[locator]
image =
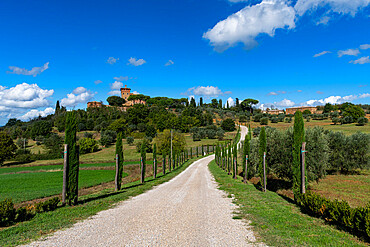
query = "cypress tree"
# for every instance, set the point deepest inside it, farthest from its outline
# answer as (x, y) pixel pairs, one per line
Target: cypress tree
(143, 162)
(57, 108)
(155, 161)
(164, 163)
(119, 151)
(235, 161)
(262, 149)
(229, 160)
(201, 101)
(191, 153)
(246, 151)
(197, 152)
(73, 158)
(298, 138)
(202, 150)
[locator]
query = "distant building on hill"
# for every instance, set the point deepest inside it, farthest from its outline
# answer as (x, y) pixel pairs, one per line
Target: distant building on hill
(125, 94)
(273, 112)
(292, 110)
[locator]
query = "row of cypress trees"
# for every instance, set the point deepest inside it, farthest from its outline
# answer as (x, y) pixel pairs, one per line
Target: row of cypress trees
(226, 156)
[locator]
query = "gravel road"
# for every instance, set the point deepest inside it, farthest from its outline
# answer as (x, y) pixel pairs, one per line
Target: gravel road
(188, 210)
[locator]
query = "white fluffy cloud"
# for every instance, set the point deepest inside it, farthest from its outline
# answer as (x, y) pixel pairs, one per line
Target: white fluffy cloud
(361, 60)
(24, 96)
(336, 99)
(78, 95)
(321, 54)
(230, 101)
(365, 46)
(98, 82)
(169, 62)
(349, 52)
(284, 103)
(277, 93)
(115, 88)
(338, 6)
(22, 71)
(136, 62)
(36, 113)
(245, 25)
(112, 60)
(208, 91)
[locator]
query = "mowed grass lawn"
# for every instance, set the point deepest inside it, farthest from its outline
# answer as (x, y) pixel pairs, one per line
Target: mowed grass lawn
(276, 221)
(355, 189)
(28, 186)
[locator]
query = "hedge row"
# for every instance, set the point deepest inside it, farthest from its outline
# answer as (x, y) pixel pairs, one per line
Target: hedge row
(10, 215)
(356, 220)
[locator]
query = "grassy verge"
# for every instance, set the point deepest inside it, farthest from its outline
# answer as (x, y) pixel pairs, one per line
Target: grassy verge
(278, 222)
(64, 217)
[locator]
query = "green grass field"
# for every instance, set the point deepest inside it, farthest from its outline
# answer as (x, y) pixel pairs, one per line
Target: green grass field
(28, 186)
(278, 222)
(355, 189)
(348, 129)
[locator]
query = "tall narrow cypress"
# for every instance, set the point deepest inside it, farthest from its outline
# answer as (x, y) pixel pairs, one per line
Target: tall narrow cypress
(202, 150)
(73, 158)
(143, 162)
(164, 163)
(197, 152)
(246, 151)
(191, 153)
(119, 151)
(298, 138)
(155, 161)
(229, 160)
(235, 160)
(262, 149)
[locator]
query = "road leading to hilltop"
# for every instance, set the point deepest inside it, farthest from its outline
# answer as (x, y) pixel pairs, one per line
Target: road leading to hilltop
(189, 210)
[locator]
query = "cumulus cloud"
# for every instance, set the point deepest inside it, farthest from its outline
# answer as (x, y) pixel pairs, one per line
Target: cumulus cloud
(245, 25)
(337, 6)
(321, 54)
(78, 95)
(24, 96)
(136, 62)
(284, 103)
(361, 60)
(169, 62)
(365, 46)
(22, 71)
(208, 91)
(115, 88)
(112, 60)
(230, 101)
(98, 82)
(349, 52)
(36, 113)
(335, 99)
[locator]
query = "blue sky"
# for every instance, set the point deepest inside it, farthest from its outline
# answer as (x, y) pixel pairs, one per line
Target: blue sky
(79, 51)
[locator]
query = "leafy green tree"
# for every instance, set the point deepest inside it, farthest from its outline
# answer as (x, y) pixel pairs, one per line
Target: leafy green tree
(150, 131)
(214, 103)
(41, 128)
(262, 149)
(335, 120)
(306, 112)
(130, 140)
(73, 158)
(7, 147)
(143, 162)
(264, 121)
(119, 151)
(115, 101)
(247, 104)
(88, 145)
(53, 144)
(353, 111)
(228, 124)
(361, 121)
(118, 125)
(163, 141)
(298, 138)
(107, 137)
(155, 161)
(328, 108)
